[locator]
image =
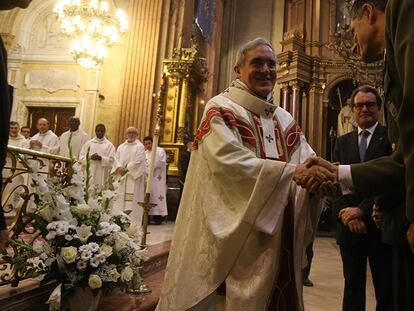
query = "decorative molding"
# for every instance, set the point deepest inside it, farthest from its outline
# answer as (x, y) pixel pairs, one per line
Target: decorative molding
(21, 112)
(52, 80)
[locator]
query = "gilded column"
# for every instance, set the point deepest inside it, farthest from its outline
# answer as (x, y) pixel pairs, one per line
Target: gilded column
(141, 66)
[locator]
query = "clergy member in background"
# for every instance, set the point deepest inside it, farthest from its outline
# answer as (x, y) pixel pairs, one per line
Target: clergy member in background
(77, 139)
(101, 156)
(159, 182)
(45, 140)
(9, 194)
(130, 165)
(25, 131)
(15, 138)
(242, 224)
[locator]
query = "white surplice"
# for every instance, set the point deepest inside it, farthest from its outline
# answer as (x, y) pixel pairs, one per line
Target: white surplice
(13, 198)
(77, 139)
(231, 217)
(131, 190)
(159, 182)
(49, 140)
(99, 170)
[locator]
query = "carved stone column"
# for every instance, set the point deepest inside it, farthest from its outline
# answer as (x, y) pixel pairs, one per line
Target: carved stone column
(140, 66)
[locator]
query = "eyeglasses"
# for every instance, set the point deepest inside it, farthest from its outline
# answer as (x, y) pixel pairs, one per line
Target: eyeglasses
(369, 105)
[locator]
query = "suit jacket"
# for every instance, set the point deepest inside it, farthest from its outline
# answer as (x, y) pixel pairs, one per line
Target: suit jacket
(347, 152)
(397, 170)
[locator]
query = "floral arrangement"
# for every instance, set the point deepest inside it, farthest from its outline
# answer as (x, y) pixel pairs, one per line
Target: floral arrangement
(78, 242)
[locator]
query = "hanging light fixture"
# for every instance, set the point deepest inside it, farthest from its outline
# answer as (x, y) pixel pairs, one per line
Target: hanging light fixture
(92, 26)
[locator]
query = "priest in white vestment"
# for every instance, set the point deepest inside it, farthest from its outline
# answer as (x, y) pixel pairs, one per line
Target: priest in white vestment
(77, 139)
(243, 224)
(17, 140)
(45, 140)
(101, 156)
(130, 163)
(159, 182)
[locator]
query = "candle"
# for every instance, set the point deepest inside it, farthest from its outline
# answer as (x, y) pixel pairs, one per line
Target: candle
(152, 161)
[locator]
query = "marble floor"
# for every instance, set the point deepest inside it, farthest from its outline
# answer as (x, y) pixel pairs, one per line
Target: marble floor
(326, 272)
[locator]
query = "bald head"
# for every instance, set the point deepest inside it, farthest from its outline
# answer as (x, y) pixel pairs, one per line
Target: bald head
(42, 125)
(132, 133)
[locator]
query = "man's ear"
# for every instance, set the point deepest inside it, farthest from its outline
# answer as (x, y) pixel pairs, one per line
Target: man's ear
(237, 71)
(369, 12)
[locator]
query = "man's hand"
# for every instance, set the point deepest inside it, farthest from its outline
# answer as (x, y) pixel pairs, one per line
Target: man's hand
(410, 236)
(3, 239)
(357, 226)
(377, 216)
(96, 157)
(350, 213)
(317, 178)
(120, 170)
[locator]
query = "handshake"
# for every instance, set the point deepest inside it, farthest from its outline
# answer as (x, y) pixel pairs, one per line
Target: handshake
(318, 176)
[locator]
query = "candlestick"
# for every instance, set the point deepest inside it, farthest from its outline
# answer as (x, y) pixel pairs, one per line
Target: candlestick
(152, 162)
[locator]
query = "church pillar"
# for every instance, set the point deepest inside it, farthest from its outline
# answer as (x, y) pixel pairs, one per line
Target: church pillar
(295, 110)
(140, 66)
(315, 116)
(91, 99)
(285, 96)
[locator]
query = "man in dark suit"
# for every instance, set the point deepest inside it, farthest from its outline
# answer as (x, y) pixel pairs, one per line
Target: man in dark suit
(380, 25)
(357, 235)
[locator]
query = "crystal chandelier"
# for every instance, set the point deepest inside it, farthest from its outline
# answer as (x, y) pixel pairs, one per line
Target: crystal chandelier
(92, 26)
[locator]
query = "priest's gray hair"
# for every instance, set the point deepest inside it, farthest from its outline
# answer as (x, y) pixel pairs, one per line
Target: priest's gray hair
(245, 48)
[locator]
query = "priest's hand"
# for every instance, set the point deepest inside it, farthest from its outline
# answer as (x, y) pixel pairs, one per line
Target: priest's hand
(96, 157)
(410, 236)
(357, 226)
(329, 187)
(350, 213)
(120, 170)
(313, 177)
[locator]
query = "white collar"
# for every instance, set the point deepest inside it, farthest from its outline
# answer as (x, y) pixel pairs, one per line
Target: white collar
(371, 129)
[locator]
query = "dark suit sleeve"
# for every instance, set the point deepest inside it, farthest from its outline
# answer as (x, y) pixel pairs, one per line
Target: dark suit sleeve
(400, 34)
(384, 175)
(336, 157)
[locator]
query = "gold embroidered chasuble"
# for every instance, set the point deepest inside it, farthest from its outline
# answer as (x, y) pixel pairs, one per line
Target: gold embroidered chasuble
(229, 224)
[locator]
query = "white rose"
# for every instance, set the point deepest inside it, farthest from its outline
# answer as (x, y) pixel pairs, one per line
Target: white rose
(46, 213)
(132, 230)
(83, 233)
(121, 239)
(94, 281)
(82, 209)
(106, 250)
(69, 254)
(127, 274)
(113, 275)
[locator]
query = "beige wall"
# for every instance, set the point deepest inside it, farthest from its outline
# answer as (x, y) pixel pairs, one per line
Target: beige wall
(243, 21)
